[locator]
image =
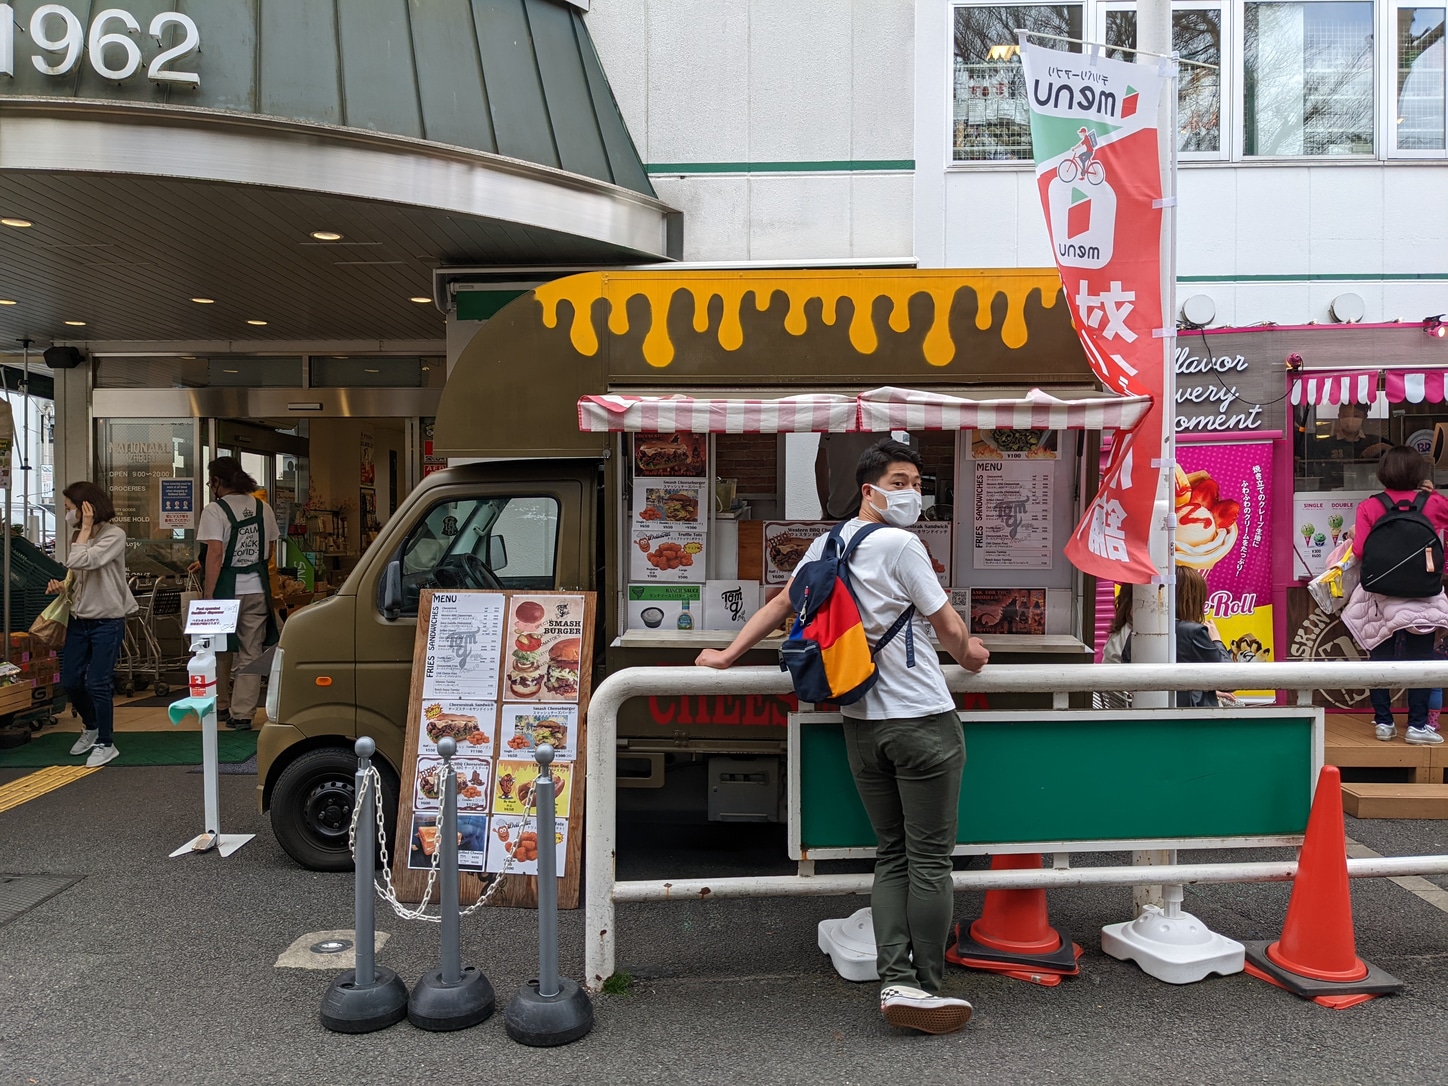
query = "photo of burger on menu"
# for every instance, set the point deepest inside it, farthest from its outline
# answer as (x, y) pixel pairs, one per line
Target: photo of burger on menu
(659, 455)
(544, 648)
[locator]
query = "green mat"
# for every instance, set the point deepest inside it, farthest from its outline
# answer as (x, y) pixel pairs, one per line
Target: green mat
(137, 748)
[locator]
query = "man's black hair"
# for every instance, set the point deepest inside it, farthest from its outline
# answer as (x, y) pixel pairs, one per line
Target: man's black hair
(876, 460)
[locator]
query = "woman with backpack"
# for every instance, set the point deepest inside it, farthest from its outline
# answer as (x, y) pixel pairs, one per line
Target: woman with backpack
(1399, 605)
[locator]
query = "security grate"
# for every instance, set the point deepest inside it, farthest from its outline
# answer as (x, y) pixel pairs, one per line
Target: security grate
(21, 893)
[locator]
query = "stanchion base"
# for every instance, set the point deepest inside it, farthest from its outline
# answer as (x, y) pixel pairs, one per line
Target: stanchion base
(350, 1008)
(543, 1022)
(1177, 949)
(224, 843)
(442, 1007)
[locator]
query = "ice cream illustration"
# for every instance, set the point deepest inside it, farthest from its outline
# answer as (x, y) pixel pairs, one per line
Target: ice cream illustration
(1334, 524)
(1307, 530)
(1319, 540)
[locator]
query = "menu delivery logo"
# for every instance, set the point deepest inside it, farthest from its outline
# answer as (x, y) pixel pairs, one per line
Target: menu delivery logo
(1083, 223)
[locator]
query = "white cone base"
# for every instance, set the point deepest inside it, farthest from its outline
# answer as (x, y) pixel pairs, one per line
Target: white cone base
(850, 943)
(226, 843)
(1177, 949)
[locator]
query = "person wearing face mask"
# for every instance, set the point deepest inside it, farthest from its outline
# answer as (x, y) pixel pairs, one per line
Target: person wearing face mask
(100, 603)
(903, 738)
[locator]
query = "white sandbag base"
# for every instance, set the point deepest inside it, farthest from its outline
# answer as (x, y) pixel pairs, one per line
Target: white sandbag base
(1171, 945)
(850, 943)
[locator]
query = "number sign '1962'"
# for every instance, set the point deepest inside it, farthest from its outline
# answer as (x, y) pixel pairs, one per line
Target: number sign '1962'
(60, 39)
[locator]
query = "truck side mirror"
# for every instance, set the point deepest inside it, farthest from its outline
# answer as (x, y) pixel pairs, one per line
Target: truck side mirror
(497, 553)
(392, 591)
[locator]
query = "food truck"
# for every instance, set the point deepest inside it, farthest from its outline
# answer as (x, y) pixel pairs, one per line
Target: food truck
(663, 438)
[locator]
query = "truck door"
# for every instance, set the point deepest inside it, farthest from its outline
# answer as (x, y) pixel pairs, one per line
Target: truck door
(503, 536)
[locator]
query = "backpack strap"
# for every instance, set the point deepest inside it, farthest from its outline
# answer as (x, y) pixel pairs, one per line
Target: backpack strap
(856, 539)
(1420, 500)
(903, 622)
(1387, 503)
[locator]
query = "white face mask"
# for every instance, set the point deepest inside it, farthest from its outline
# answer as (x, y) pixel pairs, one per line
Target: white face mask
(71, 516)
(902, 507)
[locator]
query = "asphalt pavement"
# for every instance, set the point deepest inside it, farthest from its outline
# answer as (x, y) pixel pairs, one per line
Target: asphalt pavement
(154, 970)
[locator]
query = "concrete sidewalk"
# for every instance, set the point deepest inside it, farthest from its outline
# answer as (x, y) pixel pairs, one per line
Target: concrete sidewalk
(157, 970)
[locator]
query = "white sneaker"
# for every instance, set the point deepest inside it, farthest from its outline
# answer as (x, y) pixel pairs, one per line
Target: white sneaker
(1424, 737)
(1385, 731)
(87, 740)
(910, 1008)
(100, 755)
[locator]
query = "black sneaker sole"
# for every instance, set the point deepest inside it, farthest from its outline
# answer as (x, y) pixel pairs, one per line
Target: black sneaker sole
(947, 1019)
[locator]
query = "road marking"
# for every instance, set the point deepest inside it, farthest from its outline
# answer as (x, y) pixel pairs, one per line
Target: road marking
(1416, 885)
(40, 782)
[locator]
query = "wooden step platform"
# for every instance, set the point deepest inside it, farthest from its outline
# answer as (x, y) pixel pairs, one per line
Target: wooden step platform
(1362, 800)
(1349, 742)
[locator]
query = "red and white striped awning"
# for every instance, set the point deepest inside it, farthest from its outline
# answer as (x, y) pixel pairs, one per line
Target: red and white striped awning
(1417, 386)
(1318, 388)
(887, 408)
(695, 415)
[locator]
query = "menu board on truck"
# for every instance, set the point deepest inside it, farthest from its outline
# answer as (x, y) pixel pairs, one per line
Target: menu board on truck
(785, 543)
(936, 537)
(499, 673)
(669, 517)
(1011, 514)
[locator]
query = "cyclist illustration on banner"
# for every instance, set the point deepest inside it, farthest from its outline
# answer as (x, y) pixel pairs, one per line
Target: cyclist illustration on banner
(1082, 161)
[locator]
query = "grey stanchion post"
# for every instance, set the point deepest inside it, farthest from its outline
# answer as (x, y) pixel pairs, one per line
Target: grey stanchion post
(453, 996)
(550, 1010)
(366, 998)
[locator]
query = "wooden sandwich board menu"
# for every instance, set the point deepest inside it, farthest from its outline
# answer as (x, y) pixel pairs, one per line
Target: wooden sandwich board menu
(498, 672)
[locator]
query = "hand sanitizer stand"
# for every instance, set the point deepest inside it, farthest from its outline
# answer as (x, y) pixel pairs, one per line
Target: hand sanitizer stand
(207, 622)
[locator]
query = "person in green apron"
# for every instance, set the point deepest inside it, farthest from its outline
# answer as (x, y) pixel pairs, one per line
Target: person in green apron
(239, 531)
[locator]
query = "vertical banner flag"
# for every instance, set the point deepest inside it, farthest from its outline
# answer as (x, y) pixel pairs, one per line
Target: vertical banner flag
(1094, 131)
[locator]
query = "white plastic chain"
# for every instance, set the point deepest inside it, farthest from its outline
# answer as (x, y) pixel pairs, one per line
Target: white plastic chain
(373, 783)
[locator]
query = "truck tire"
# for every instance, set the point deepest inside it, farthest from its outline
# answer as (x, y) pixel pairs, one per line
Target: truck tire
(311, 807)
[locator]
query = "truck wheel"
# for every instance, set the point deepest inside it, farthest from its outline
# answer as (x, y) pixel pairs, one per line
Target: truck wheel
(311, 807)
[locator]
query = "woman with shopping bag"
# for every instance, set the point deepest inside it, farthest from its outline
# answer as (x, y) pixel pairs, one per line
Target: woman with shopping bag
(100, 602)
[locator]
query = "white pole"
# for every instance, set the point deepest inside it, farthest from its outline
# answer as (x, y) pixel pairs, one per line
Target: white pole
(1153, 606)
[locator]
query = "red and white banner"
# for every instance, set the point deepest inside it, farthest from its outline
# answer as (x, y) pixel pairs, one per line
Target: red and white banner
(1094, 131)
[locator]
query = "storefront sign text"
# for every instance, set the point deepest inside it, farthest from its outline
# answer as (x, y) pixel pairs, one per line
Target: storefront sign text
(61, 41)
(1219, 393)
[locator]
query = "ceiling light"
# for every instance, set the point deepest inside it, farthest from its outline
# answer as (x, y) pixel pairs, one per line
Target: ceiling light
(204, 301)
(373, 371)
(76, 324)
(326, 235)
(7, 301)
(16, 222)
(231, 371)
(419, 299)
(257, 323)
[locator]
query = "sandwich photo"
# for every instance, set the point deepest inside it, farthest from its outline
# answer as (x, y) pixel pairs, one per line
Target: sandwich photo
(562, 677)
(785, 551)
(525, 672)
(460, 727)
(669, 454)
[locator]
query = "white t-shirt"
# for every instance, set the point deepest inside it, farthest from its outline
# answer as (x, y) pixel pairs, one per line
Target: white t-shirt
(889, 571)
(216, 530)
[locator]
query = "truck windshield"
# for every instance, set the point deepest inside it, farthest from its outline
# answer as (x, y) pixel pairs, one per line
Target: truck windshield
(496, 542)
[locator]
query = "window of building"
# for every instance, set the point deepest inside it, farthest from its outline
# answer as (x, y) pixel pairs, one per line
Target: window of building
(1308, 78)
(498, 542)
(991, 117)
(330, 371)
(1418, 83)
(1196, 35)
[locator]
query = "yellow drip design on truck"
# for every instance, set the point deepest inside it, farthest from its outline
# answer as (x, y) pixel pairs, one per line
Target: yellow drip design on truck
(863, 289)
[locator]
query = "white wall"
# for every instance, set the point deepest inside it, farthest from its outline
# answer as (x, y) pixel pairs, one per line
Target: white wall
(772, 111)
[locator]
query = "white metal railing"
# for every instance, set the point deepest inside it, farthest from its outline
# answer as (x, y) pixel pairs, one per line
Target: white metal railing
(602, 893)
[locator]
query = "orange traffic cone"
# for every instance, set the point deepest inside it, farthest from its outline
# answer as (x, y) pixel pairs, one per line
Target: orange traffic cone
(1013, 934)
(1316, 958)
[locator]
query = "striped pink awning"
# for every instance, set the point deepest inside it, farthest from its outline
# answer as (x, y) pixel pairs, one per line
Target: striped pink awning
(1360, 386)
(1417, 386)
(887, 408)
(690, 415)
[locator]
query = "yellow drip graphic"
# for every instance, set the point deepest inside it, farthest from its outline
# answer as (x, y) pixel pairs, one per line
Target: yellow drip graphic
(659, 288)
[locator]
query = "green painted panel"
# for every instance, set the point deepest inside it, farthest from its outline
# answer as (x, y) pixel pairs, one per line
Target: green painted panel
(299, 76)
(227, 60)
(521, 124)
(449, 78)
(565, 88)
(374, 39)
(1058, 779)
(623, 157)
(480, 305)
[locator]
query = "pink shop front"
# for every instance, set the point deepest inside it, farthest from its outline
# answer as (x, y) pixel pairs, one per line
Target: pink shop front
(1278, 433)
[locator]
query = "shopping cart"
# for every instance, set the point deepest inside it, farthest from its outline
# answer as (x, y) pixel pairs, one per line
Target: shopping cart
(159, 619)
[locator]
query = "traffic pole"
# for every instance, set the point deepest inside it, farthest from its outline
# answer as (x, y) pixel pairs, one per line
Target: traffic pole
(368, 997)
(452, 996)
(550, 1010)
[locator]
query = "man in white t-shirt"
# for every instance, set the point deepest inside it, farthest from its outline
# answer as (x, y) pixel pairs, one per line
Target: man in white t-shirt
(903, 738)
(239, 531)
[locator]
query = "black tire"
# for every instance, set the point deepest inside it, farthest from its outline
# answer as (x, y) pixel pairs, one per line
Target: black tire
(311, 807)
(161, 690)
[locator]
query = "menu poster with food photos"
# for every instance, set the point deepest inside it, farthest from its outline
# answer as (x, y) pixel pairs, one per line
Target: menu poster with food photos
(936, 537)
(668, 555)
(785, 543)
(670, 503)
(669, 517)
(499, 673)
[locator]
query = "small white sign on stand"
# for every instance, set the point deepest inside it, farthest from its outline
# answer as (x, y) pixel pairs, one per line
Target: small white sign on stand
(206, 622)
